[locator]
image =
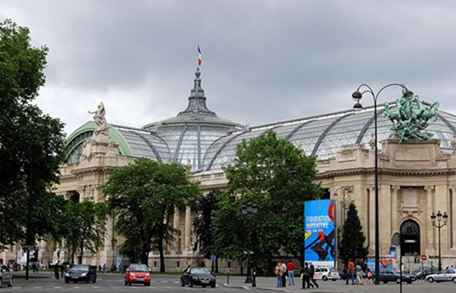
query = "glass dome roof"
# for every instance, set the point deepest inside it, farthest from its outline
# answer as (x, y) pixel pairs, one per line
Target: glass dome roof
(324, 135)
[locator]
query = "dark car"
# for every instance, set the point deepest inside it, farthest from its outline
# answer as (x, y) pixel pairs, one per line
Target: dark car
(137, 273)
(198, 276)
(6, 277)
(83, 273)
(389, 276)
(422, 274)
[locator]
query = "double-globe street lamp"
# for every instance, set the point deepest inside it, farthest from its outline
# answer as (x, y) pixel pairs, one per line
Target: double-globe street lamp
(439, 220)
(357, 96)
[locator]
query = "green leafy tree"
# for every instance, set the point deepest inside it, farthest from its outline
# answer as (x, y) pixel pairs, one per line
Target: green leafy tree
(263, 209)
(85, 227)
(353, 242)
(31, 142)
(142, 195)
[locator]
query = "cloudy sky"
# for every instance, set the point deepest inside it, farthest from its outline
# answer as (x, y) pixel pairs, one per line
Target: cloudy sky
(265, 60)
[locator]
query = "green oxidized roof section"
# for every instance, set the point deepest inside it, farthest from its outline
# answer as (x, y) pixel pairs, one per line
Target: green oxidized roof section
(89, 127)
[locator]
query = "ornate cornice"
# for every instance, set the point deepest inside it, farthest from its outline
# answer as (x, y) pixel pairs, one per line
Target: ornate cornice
(386, 171)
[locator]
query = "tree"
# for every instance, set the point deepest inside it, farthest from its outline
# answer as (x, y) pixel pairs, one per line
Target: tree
(352, 244)
(142, 195)
(267, 185)
(31, 142)
(203, 225)
(85, 228)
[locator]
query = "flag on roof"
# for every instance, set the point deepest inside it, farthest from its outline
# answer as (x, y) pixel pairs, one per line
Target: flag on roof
(200, 56)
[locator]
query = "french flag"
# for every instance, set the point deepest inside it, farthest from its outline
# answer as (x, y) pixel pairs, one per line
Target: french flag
(200, 56)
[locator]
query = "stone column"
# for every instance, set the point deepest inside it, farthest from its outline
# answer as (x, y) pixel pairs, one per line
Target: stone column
(395, 213)
(188, 230)
(385, 218)
(176, 221)
(372, 220)
(428, 230)
(441, 203)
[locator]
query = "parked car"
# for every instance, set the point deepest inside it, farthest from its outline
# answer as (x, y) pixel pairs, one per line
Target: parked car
(83, 273)
(137, 273)
(6, 277)
(325, 274)
(389, 276)
(444, 276)
(422, 274)
(198, 276)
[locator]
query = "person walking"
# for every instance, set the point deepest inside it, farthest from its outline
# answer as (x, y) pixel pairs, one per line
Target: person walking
(311, 276)
(284, 274)
(351, 271)
(290, 268)
(359, 275)
(278, 273)
(56, 270)
(306, 277)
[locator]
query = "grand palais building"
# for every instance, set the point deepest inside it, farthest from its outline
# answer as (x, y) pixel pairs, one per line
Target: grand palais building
(415, 178)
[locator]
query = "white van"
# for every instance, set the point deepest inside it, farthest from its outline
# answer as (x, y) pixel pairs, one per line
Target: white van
(325, 274)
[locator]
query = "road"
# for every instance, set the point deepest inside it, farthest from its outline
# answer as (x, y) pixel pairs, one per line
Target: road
(113, 283)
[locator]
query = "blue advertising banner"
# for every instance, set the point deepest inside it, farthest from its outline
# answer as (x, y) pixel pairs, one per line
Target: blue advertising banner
(320, 232)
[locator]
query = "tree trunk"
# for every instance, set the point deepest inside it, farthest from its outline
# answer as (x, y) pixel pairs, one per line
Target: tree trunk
(81, 248)
(162, 256)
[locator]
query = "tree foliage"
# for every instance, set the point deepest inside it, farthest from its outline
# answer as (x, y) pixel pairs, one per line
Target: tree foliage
(261, 215)
(203, 223)
(31, 142)
(142, 195)
(84, 228)
(353, 242)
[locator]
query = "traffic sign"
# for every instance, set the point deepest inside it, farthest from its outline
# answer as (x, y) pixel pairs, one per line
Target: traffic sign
(423, 257)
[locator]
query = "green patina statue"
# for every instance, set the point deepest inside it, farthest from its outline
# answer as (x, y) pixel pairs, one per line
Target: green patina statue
(410, 117)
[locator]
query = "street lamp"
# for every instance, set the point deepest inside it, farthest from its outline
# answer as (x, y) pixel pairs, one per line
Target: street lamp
(248, 210)
(357, 96)
(439, 221)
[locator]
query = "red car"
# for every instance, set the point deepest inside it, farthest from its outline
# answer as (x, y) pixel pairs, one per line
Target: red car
(137, 273)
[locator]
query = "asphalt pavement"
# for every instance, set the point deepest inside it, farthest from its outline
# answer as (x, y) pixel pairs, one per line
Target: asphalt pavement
(113, 283)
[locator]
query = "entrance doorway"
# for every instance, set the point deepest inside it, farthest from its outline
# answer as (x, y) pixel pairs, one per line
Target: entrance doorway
(410, 231)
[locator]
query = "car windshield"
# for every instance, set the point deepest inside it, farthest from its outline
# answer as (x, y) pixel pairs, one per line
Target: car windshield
(200, 271)
(80, 268)
(138, 268)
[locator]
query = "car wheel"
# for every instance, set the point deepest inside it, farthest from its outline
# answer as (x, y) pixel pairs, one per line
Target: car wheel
(454, 280)
(125, 283)
(147, 284)
(190, 284)
(324, 278)
(385, 282)
(430, 279)
(182, 283)
(204, 286)
(398, 280)
(213, 285)
(66, 280)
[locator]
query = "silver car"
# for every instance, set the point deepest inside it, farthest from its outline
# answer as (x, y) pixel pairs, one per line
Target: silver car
(6, 277)
(445, 276)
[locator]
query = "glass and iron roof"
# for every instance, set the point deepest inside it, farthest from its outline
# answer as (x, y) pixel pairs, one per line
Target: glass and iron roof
(199, 138)
(324, 135)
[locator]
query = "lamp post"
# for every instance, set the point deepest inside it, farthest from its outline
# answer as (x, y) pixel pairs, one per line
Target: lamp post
(357, 96)
(248, 210)
(439, 220)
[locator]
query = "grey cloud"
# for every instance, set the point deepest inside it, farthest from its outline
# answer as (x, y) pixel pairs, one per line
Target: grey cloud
(264, 60)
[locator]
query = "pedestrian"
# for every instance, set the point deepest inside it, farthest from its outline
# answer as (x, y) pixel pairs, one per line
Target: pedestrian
(290, 268)
(351, 271)
(311, 276)
(278, 274)
(369, 277)
(284, 273)
(359, 275)
(56, 270)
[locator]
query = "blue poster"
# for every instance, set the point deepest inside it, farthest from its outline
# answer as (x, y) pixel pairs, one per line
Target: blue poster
(320, 232)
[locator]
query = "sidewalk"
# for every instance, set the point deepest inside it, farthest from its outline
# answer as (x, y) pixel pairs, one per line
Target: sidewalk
(268, 284)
